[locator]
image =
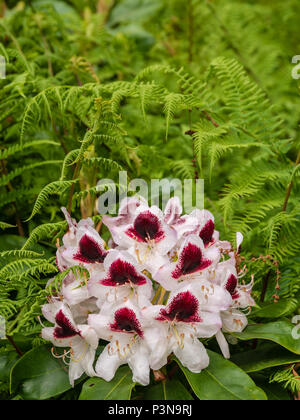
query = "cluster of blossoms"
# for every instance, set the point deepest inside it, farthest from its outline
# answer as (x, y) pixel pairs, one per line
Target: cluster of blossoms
(165, 281)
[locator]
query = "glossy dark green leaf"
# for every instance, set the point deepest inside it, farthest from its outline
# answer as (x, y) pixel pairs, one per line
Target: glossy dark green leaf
(280, 332)
(222, 380)
(39, 376)
(268, 355)
(7, 360)
(276, 310)
(119, 388)
(274, 392)
(168, 390)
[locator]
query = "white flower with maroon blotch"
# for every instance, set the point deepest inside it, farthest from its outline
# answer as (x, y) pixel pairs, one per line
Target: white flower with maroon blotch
(123, 328)
(233, 320)
(148, 238)
(117, 225)
(206, 223)
(81, 339)
(121, 280)
(82, 245)
(226, 276)
(180, 324)
(193, 261)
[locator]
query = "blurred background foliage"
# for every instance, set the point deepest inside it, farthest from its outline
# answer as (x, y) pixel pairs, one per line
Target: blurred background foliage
(159, 88)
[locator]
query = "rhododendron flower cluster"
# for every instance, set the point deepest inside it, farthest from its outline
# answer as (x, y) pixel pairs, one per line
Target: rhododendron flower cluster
(166, 282)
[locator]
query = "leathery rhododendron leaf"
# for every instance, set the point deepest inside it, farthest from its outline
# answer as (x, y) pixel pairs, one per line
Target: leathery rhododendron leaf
(39, 376)
(166, 390)
(266, 356)
(120, 388)
(222, 380)
(280, 332)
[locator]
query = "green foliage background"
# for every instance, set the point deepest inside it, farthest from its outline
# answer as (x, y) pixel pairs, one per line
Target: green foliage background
(95, 87)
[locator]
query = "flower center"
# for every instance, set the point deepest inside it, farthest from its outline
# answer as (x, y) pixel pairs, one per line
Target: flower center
(65, 329)
(183, 308)
(90, 251)
(126, 321)
(122, 272)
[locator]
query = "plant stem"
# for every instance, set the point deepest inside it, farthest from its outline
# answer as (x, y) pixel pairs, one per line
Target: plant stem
(76, 171)
(289, 190)
(10, 188)
(10, 339)
(284, 208)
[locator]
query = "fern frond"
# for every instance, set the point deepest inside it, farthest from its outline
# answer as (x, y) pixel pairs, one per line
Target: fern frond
(55, 188)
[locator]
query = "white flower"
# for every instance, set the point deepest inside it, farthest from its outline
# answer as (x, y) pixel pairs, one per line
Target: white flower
(121, 280)
(123, 327)
(81, 339)
(148, 238)
(178, 327)
(233, 320)
(82, 245)
(193, 260)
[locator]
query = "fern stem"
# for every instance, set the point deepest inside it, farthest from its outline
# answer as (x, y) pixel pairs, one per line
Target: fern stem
(290, 187)
(76, 171)
(284, 208)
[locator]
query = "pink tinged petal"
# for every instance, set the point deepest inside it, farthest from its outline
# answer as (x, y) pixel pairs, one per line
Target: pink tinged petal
(239, 240)
(65, 329)
(187, 225)
(122, 272)
(184, 307)
(190, 261)
(173, 211)
(146, 227)
(127, 322)
(206, 233)
(90, 251)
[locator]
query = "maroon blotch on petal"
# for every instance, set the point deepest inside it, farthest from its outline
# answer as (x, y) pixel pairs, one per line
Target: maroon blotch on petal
(183, 308)
(122, 272)
(90, 251)
(207, 232)
(126, 321)
(146, 227)
(231, 286)
(190, 261)
(65, 329)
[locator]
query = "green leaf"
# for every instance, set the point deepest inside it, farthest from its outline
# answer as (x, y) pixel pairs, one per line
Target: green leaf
(279, 332)
(276, 310)
(39, 376)
(222, 380)
(120, 388)
(268, 355)
(168, 390)
(275, 392)
(7, 360)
